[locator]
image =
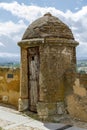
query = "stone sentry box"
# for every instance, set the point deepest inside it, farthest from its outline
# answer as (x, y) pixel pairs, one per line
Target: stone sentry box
(48, 50)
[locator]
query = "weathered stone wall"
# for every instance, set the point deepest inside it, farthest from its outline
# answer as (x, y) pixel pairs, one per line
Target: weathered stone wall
(69, 79)
(9, 85)
(23, 100)
(77, 100)
(83, 80)
(55, 61)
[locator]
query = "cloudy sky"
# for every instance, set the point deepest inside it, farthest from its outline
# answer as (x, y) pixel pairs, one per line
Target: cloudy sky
(16, 15)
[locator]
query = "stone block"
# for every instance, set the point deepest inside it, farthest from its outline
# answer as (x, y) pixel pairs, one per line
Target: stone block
(60, 108)
(46, 109)
(23, 104)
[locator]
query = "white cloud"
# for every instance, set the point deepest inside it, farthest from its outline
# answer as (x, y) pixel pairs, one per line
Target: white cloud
(8, 28)
(1, 44)
(77, 21)
(29, 13)
(2, 54)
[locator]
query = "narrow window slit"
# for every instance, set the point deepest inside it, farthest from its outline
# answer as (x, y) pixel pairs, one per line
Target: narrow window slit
(32, 57)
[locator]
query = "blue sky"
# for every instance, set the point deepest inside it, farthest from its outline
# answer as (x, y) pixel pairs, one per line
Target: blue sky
(16, 15)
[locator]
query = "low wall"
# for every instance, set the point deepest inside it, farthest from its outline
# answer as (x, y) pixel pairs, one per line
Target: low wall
(77, 100)
(9, 85)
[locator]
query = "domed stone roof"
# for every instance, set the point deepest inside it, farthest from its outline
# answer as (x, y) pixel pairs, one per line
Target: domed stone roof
(48, 26)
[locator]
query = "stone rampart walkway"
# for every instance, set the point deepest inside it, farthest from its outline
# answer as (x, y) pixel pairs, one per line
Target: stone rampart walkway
(11, 119)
